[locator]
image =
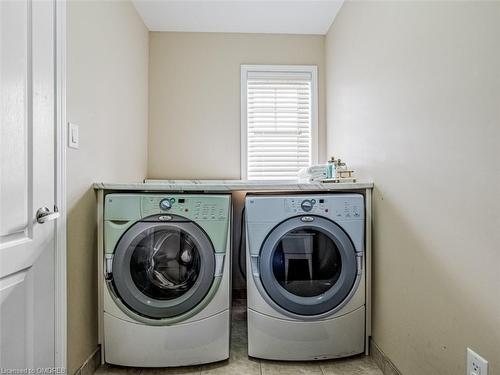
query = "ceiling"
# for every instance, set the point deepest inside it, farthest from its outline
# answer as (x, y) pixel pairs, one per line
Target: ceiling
(239, 16)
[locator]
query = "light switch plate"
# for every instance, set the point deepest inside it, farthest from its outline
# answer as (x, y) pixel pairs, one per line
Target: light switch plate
(73, 136)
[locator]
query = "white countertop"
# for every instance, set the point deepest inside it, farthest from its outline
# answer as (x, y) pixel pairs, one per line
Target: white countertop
(231, 185)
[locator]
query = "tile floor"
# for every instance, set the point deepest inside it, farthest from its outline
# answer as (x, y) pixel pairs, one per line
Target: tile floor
(240, 364)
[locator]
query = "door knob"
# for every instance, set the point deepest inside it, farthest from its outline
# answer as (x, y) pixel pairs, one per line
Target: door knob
(44, 214)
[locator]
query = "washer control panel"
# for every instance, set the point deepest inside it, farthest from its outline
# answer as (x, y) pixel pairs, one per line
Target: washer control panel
(192, 207)
(332, 206)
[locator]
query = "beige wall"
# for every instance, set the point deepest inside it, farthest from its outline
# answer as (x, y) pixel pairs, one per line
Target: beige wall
(194, 90)
(413, 100)
(107, 96)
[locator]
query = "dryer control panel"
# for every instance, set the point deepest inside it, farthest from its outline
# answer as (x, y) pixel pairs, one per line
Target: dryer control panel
(339, 207)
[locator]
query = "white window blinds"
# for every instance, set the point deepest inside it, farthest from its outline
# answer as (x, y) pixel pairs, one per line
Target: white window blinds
(279, 119)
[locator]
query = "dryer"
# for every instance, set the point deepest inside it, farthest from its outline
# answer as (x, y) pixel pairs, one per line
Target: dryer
(306, 281)
(166, 293)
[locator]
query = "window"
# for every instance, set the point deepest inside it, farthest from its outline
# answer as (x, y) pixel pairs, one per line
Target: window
(278, 120)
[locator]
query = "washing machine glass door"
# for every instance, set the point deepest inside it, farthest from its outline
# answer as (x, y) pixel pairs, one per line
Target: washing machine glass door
(308, 265)
(161, 270)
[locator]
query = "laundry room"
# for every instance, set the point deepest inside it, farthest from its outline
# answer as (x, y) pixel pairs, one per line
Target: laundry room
(250, 187)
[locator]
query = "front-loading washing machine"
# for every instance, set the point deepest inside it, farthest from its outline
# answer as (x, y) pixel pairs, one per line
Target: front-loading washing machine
(166, 294)
(306, 281)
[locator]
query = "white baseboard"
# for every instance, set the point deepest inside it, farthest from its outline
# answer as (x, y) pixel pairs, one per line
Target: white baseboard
(91, 364)
(382, 361)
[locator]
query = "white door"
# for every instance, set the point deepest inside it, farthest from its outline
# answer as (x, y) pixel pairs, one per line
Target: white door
(27, 183)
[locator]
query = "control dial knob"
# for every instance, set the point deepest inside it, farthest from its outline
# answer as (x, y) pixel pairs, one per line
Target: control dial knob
(165, 204)
(306, 205)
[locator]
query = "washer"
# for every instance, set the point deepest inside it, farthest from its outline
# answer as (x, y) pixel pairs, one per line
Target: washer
(167, 288)
(306, 282)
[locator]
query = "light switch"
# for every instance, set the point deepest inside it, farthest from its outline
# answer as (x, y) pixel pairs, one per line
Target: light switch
(73, 137)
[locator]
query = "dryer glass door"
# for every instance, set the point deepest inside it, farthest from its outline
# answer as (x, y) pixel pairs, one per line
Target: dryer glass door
(308, 265)
(306, 262)
(163, 269)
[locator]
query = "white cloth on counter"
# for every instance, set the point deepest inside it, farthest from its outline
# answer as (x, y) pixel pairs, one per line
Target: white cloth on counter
(313, 173)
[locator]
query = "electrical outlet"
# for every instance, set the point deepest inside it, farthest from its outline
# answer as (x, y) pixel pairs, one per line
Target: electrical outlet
(476, 365)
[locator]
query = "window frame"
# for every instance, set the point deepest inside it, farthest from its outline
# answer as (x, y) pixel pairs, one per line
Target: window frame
(245, 69)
